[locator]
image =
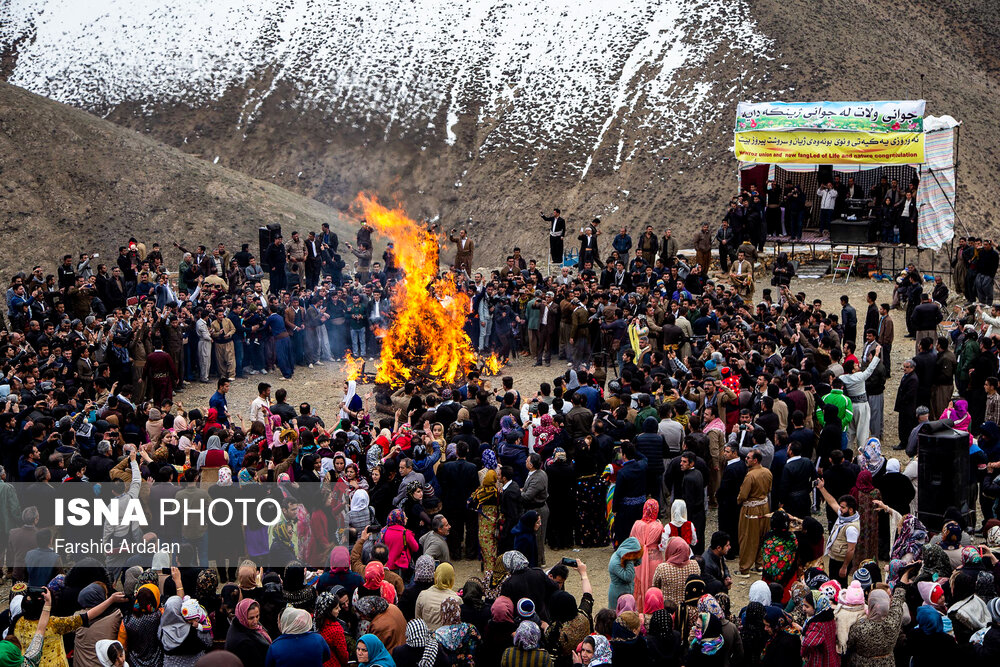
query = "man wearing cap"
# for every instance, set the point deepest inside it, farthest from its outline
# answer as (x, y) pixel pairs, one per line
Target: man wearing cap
(854, 388)
(923, 415)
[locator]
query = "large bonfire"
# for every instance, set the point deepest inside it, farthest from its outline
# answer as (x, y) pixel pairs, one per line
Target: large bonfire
(427, 340)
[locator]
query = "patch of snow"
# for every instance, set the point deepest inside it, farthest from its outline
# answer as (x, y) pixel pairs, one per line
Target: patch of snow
(569, 74)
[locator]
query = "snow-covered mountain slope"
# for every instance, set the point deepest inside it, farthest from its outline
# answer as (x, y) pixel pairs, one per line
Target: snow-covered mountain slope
(570, 75)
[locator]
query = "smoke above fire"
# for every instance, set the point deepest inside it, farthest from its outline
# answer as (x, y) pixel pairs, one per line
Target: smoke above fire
(426, 340)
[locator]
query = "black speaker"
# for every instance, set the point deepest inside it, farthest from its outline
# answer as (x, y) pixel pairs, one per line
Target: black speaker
(846, 231)
(824, 174)
(265, 235)
(942, 473)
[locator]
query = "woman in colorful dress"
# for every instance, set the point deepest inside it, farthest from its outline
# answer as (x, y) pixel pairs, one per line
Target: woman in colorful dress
(866, 494)
(485, 502)
(648, 531)
(779, 552)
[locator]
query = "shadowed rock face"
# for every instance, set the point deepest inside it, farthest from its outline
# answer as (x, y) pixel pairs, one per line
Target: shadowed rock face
(484, 112)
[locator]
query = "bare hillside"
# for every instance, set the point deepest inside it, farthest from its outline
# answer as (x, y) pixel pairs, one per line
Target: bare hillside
(70, 181)
(482, 113)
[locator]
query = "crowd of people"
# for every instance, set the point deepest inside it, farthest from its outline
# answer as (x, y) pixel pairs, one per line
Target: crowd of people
(682, 401)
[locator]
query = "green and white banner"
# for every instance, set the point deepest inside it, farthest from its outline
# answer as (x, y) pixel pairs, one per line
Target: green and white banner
(906, 116)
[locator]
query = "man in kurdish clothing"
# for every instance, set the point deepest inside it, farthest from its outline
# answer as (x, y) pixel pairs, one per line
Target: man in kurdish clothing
(754, 521)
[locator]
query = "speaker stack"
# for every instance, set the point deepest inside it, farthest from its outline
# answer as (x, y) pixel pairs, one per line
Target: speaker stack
(942, 473)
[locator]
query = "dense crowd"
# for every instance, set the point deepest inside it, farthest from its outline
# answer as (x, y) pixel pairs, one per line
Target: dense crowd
(681, 398)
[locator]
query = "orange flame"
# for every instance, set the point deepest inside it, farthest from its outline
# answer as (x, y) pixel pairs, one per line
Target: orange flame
(353, 366)
(492, 364)
(427, 330)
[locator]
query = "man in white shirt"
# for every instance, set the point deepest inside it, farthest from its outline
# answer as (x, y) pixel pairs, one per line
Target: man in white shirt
(260, 407)
(827, 203)
(844, 535)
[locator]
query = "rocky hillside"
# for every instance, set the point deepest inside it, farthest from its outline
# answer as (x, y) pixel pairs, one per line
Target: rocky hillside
(70, 182)
(482, 113)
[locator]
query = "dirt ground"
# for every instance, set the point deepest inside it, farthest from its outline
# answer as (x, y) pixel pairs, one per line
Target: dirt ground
(323, 388)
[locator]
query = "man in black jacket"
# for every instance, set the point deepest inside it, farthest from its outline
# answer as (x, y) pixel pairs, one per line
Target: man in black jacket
(925, 318)
(652, 445)
(906, 402)
(693, 495)
(458, 480)
(795, 484)
(871, 316)
(729, 490)
(510, 507)
(557, 230)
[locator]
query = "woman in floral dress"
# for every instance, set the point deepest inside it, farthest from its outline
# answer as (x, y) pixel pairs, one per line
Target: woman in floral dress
(485, 502)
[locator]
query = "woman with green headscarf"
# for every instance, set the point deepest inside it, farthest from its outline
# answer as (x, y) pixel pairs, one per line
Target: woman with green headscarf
(429, 601)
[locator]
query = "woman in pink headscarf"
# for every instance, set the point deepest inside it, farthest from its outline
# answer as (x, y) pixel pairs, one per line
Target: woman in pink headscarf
(648, 531)
(958, 411)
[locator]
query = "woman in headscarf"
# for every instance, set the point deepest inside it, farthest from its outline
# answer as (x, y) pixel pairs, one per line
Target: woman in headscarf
(499, 632)
(297, 593)
(562, 499)
(911, 536)
(459, 641)
(247, 638)
(872, 638)
(340, 573)
(595, 484)
(752, 631)
(819, 633)
(184, 639)
(326, 623)
(951, 542)
(662, 641)
(420, 649)
(214, 456)
(798, 595)
(866, 494)
(485, 503)
(671, 575)
(526, 651)
(430, 601)
(935, 564)
(297, 644)
(139, 628)
(371, 652)
(375, 583)
(423, 578)
(784, 643)
(779, 551)
(401, 542)
(896, 488)
(621, 568)
(351, 405)
(474, 607)
(679, 525)
(652, 602)
(109, 652)
(381, 619)
(648, 531)
(931, 646)
(361, 515)
(525, 536)
(967, 611)
(103, 628)
(593, 651)
(706, 646)
(627, 646)
(569, 622)
(417, 519)
(958, 411)
(687, 614)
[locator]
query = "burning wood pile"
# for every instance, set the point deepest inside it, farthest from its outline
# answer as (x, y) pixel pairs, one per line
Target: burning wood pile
(426, 341)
